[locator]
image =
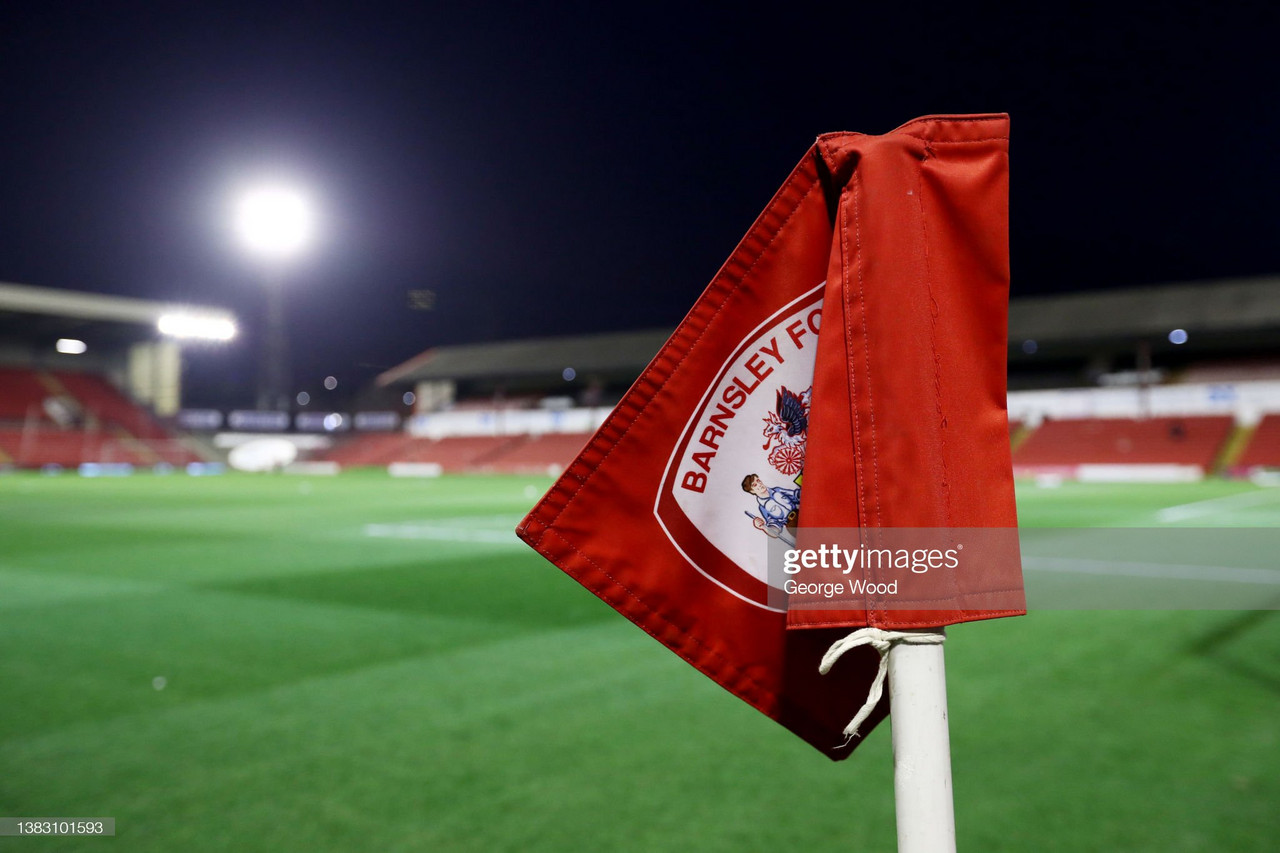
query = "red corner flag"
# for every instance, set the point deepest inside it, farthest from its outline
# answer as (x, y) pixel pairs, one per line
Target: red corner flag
(852, 349)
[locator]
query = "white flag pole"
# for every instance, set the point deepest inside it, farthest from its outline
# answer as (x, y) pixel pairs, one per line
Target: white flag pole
(917, 677)
(921, 747)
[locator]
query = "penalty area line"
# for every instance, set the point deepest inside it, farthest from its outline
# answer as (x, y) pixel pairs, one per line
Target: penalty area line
(1212, 506)
(438, 533)
(1157, 571)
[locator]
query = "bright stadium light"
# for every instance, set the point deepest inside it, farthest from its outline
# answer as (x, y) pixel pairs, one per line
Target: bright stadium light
(200, 327)
(70, 346)
(274, 221)
(1178, 336)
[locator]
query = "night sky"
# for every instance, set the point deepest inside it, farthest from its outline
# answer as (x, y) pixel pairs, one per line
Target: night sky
(556, 168)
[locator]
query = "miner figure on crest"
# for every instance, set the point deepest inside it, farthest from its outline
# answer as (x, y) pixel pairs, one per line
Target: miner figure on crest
(779, 508)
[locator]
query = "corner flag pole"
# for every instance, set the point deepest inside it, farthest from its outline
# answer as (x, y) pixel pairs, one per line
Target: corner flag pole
(913, 662)
(921, 747)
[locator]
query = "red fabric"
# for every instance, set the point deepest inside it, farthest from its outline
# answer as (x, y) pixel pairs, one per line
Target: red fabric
(909, 232)
(919, 285)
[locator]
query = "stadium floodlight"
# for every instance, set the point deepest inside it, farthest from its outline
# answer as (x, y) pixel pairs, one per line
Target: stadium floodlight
(1178, 336)
(201, 327)
(70, 346)
(274, 221)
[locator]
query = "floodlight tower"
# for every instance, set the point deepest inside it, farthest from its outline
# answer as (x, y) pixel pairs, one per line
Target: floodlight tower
(276, 224)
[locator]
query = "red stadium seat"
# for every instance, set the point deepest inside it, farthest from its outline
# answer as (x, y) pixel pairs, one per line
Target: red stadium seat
(1125, 441)
(1263, 450)
(22, 394)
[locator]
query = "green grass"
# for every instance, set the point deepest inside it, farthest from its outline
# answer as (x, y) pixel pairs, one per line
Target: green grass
(440, 687)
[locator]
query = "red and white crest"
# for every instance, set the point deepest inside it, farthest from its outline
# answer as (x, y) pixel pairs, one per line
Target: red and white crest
(752, 420)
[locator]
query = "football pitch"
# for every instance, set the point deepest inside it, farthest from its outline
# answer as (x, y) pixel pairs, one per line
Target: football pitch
(365, 663)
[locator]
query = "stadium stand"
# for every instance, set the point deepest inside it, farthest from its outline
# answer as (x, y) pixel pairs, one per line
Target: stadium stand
(503, 454)
(366, 450)
(544, 395)
(114, 429)
(22, 394)
(461, 453)
(57, 405)
(48, 445)
(539, 453)
(33, 448)
(99, 398)
(1124, 441)
(1263, 449)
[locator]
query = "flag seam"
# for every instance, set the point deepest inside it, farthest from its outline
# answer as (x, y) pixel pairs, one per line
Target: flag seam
(944, 451)
(957, 141)
(853, 384)
(934, 310)
(866, 346)
(868, 608)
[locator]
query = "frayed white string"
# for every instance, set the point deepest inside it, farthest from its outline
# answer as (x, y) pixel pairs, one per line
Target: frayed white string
(881, 641)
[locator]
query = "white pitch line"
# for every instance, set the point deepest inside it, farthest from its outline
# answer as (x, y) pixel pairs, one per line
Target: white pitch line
(437, 533)
(1182, 512)
(1161, 571)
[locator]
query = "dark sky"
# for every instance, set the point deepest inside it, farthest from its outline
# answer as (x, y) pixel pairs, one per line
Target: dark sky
(553, 168)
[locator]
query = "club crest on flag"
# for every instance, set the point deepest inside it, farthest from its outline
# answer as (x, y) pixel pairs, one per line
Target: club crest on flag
(726, 492)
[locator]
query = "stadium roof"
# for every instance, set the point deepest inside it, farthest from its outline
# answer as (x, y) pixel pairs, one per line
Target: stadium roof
(610, 354)
(1229, 306)
(28, 312)
(1231, 314)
